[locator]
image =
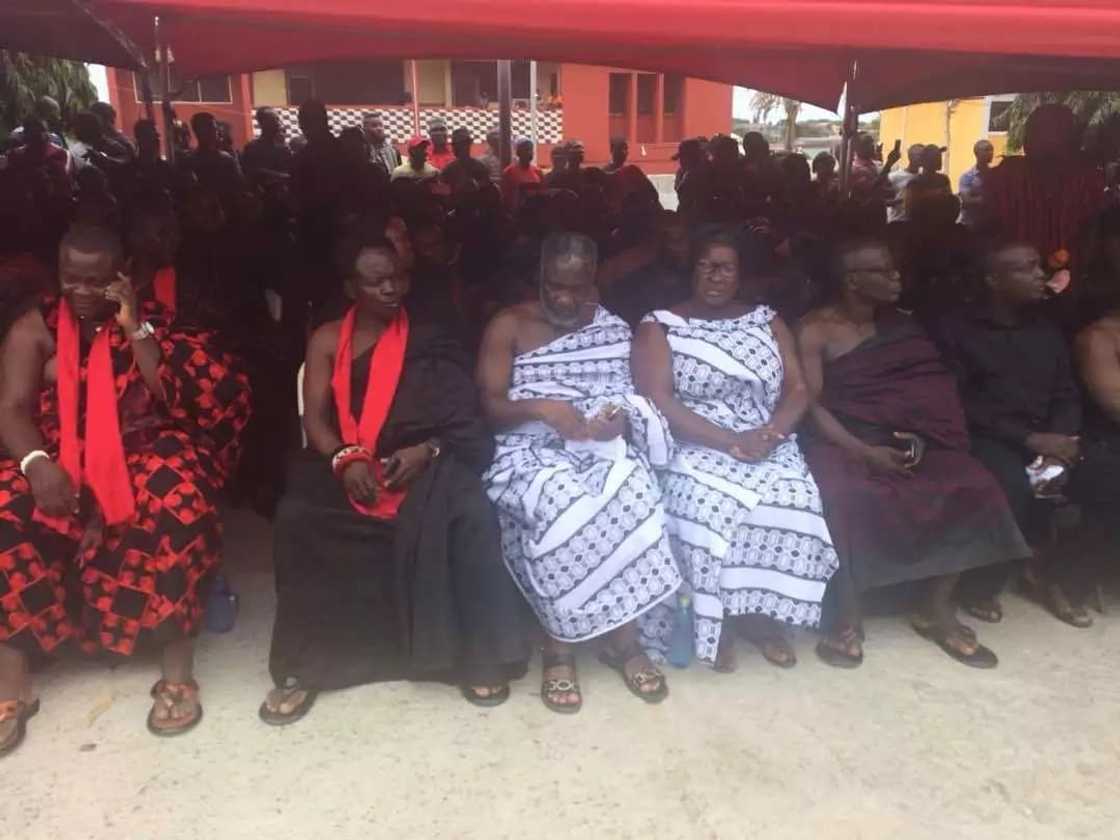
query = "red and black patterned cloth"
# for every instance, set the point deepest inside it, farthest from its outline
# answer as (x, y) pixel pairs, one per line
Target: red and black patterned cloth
(142, 577)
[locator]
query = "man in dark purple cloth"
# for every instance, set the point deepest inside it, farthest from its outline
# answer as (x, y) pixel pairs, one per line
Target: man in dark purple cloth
(889, 448)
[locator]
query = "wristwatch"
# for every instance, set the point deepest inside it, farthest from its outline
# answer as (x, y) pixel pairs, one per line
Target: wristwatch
(145, 330)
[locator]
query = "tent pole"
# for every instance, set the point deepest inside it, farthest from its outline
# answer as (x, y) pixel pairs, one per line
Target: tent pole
(163, 58)
(505, 111)
(114, 32)
(534, 133)
(415, 76)
(850, 127)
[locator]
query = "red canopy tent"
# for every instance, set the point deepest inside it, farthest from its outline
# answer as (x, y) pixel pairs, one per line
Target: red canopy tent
(906, 51)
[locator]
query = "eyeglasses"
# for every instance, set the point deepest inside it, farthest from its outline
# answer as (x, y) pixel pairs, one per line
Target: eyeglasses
(723, 269)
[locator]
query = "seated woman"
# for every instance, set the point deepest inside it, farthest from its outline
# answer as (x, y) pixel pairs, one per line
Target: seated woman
(388, 556)
(744, 512)
(905, 500)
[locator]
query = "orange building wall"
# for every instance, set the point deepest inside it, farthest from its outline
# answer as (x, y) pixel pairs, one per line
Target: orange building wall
(237, 113)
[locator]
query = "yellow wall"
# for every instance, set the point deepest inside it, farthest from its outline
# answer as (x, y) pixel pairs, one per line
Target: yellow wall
(270, 87)
(957, 124)
(433, 78)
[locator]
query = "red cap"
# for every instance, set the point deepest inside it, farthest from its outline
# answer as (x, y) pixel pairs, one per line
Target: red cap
(418, 141)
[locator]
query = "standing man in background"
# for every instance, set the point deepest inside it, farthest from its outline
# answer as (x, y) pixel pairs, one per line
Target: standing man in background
(971, 187)
(381, 150)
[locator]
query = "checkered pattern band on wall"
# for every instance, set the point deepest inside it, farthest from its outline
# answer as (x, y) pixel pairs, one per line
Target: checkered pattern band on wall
(398, 121)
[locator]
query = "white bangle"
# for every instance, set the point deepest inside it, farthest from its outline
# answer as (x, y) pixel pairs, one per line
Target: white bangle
(30, 457)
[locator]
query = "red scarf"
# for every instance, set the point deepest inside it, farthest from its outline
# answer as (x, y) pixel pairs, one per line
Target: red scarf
(164, 288)
(105, 469)
(385, 365)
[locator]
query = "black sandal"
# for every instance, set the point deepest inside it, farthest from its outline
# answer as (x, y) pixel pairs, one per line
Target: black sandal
(21, 712)
(840, 658)
(1057, 603)
(552, 686)
(982, 657)
(640, 678)
(494, 698)
(994, 615)
(274, 718)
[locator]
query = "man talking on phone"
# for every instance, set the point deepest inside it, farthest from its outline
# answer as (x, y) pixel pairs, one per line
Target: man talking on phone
(120, 429)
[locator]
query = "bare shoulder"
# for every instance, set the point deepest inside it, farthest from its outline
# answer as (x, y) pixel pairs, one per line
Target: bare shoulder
(324, 338)
(818, 323)
(29, 331)
(509, 320)
(1099, 336)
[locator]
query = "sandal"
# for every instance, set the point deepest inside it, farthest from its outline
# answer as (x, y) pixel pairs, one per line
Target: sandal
(726, 660)
(276, 718)
(553, 686)
(982, 657)
(1051, 596)
(838, 657)
(171, 694)
(989, 611)
(494, 698)
(640, 678)
(21, 712)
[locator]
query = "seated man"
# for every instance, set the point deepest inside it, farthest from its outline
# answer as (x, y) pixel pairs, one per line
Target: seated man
(1022, 403)
(387, 551)
(583, 529)
(121, 429)
(903, 498)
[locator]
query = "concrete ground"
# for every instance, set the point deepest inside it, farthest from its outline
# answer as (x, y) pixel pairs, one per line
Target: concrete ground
(910, 746)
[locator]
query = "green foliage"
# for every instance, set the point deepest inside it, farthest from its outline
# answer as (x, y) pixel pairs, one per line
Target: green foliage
(25, 78)
(1091, 107)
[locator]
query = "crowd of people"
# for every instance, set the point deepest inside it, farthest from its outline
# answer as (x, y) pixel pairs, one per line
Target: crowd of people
(536, 407)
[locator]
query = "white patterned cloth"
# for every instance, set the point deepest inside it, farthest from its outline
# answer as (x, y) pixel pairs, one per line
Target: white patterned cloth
(583, 529)
(751, 538)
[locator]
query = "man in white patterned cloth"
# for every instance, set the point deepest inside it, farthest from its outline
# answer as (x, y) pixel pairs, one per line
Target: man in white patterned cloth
(583, 528)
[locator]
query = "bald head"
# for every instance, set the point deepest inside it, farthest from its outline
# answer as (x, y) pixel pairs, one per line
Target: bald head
(569, 262)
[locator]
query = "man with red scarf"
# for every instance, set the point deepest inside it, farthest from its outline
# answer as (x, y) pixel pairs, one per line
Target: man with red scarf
(387, 553)
(119, 430)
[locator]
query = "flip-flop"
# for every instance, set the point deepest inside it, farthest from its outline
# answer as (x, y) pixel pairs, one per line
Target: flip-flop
(993, 616)
(981, 658)
(617, 662)
(560, 686)
(785, 664)
(22, 712)
(274, 718)
(163, 689)
(838, 658)
(496, 698)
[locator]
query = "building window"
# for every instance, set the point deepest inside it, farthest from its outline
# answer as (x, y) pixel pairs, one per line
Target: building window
(998, 114)
(202, 90)
(656, 114)
(347, 83)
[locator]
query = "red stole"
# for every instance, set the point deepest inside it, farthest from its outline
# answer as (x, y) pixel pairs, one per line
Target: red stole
(105, 469)
(164, 288)
(385, 365)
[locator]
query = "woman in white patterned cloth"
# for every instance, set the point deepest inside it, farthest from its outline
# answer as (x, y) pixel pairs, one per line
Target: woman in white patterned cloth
(745, 517)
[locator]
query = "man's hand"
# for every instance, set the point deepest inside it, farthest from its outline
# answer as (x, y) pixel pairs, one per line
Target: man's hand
(54, 492)
(895, 155)
(565, 419)
(124, 295)
(406, 465)
(360, 484)
(887, 460)
(1060, 447)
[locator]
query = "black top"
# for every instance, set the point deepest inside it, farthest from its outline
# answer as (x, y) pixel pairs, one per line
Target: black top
(458, 172)
(1014, 380)
(272, 155)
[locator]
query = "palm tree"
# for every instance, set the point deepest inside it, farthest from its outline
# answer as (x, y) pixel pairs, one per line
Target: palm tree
(24, 78)
(764, 103)
(1091, 107)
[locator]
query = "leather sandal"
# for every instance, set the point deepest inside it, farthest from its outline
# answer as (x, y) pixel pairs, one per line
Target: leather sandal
(21, 712)
(553, 686)
(171, 694)
(640, 678)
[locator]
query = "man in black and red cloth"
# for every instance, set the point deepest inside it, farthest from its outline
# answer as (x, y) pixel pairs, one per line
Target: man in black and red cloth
(888, 444)
(119, 429)
(387, 552)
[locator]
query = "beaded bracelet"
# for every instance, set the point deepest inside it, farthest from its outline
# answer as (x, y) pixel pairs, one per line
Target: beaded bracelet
(349, 455)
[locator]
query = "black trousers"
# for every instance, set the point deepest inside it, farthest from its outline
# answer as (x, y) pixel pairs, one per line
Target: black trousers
(1076, 564)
